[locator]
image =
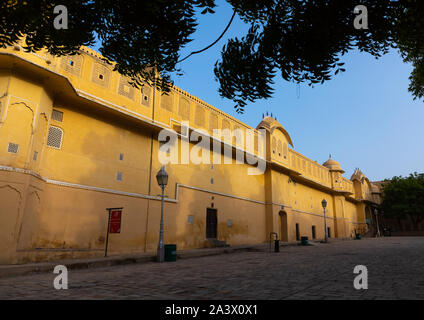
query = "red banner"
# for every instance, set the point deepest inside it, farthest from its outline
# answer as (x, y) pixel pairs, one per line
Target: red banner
(115, 221)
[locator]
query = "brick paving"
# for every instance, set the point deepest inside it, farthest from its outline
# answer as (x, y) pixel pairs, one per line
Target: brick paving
(320, 271)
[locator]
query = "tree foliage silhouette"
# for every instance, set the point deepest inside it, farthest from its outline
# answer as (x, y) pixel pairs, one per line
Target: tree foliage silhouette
(403, 197)
(302, 41)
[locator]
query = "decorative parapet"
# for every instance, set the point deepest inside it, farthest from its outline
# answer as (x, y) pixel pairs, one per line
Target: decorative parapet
(308, 168)
(91, 76)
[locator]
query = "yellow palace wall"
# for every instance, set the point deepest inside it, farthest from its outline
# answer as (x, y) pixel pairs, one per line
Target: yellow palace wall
(54, 200)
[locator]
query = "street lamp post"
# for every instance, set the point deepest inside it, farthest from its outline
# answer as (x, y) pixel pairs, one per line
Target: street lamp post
(376, 218)
(162, 178)
(324, 205)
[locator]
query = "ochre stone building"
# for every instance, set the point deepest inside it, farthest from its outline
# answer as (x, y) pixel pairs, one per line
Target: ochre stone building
(76, 138)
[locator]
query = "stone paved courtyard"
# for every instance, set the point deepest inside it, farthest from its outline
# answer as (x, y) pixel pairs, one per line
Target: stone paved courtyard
(321, 271)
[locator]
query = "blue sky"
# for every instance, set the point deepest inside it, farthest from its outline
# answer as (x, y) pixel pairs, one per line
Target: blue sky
(364, 117)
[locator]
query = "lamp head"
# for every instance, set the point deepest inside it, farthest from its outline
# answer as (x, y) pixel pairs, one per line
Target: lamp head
(162, 177)
(324, 203)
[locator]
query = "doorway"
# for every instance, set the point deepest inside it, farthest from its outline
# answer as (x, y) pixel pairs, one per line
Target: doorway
(211, 223)
(297, 232)
(283, 223)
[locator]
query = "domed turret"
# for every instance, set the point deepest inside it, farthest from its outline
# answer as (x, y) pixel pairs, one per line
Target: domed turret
(333, 165)
(270, 124)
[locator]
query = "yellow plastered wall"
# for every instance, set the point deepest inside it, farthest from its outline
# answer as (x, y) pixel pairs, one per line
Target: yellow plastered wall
(54, 199)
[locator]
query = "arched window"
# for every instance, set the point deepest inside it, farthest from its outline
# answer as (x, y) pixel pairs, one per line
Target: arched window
(166, 101)
(238, 136)
(226, 130)
(199, 116)
(213, 121)
(184, 109)
(226, 124)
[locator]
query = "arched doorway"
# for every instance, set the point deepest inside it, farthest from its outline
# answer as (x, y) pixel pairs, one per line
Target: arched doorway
(370, 221)
(283, 226)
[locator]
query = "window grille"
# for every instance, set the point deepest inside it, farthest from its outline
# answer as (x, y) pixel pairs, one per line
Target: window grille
(57, 115)
(101, 75)
(125, 89)
(54, 138)
(72, 64)
(146, 94)
(13, 148)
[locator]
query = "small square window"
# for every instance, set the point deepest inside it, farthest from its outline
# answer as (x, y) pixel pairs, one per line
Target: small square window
(57, 115)
(35, 156)
(100, 76)
(71, 63)
(211, 180)
(119, 176)
(121, 156)
(13, 148)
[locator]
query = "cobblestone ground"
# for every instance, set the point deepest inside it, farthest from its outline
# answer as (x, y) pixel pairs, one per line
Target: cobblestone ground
(321, 271)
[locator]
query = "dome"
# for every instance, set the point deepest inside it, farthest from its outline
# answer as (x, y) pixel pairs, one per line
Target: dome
(332, 165)
(271, 124)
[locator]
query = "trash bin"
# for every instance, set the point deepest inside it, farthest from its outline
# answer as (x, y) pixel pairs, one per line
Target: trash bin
(358, 236)
(276, 245)
(170, 252)
(304, 241)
